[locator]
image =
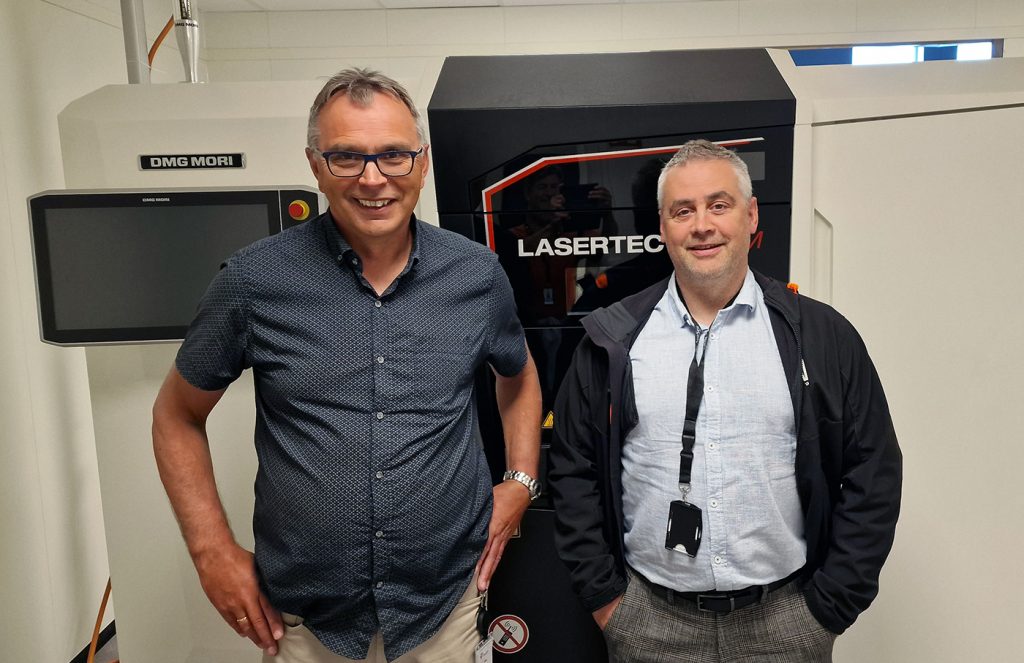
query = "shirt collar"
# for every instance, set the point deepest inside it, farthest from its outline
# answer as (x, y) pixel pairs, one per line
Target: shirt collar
(746, 299)
(344, 252)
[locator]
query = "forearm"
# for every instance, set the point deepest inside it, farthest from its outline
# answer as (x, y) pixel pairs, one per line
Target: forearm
(186, 470)
(519, 404)
(226, 571)
(581, 533)
(863, 527)
(182, 453)
(863, 519)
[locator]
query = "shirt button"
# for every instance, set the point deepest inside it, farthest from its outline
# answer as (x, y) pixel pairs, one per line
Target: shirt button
(355, 261)
(379, 475)
(380, 360)
(380, 415)
(714, 336)
(379, 584)
(713, 503)
(378, 303)
(718, 559)
(379, 534)
(711, 445)
(709, 388)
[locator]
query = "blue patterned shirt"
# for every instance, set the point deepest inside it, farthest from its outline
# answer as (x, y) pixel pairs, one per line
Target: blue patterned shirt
(373, 495)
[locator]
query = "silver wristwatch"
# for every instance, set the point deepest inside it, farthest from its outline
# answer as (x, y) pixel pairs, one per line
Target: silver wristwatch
(525, 479)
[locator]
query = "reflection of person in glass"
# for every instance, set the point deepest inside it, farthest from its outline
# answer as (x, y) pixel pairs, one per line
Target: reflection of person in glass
(553, 209)
(647, 268)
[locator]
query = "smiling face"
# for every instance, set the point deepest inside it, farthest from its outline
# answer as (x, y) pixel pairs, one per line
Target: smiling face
(706, 224)
(540, 192)
(371, 207)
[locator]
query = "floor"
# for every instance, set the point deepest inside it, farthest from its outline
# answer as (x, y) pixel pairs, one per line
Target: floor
(108, 653)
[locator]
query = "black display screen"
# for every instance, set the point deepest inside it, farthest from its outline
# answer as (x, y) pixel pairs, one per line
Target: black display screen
(131, 267)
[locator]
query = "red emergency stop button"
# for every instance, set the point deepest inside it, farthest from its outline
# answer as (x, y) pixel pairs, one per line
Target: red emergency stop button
(298, 210)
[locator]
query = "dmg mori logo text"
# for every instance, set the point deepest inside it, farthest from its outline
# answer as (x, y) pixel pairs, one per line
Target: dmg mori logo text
(184, 161)
(200, 161)
(592, 246)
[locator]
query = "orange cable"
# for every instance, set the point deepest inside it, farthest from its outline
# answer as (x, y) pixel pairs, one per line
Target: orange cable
(99, 622)
(160, 39)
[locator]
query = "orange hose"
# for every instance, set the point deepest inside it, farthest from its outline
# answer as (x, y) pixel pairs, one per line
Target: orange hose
(99, 622)
(160, 39)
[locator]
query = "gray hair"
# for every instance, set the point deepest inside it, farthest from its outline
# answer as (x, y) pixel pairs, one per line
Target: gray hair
(359, 85)
(705, 150)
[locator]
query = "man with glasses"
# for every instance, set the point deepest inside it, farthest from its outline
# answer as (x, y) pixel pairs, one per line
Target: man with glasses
(375, 522)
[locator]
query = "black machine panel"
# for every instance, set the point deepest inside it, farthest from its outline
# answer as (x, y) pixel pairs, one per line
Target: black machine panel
(131, 266)
(486, 111)
(552, 162)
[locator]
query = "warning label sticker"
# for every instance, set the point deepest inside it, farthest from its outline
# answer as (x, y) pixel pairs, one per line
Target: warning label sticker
(509, 634)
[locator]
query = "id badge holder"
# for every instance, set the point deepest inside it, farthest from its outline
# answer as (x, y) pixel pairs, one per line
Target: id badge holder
(685, 527)
(484, 650)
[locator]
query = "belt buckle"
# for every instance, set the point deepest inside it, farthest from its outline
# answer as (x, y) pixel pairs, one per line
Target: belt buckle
(702, 597)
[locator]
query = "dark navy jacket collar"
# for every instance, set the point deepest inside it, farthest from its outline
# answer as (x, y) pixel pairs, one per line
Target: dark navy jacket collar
(621, 322)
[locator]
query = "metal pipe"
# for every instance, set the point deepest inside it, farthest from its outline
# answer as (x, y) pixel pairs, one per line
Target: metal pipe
(185, 9)
(133, 23)
(186, 31)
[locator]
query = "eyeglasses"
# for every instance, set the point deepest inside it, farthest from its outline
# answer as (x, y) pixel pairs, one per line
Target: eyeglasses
(393, 163)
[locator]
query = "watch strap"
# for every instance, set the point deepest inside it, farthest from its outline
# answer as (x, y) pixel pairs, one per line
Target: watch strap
(522, 477)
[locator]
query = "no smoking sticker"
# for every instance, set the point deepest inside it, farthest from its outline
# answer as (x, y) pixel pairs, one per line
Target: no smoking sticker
(509, 634)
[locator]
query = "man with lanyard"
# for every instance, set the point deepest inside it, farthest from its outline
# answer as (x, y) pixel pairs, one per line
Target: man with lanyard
(724, 471)
(375, 522)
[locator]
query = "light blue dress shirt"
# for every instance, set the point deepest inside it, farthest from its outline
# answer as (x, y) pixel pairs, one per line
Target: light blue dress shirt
(743, 475)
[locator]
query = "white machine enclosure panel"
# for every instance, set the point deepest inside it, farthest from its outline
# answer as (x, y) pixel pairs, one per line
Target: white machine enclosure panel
(926, 217)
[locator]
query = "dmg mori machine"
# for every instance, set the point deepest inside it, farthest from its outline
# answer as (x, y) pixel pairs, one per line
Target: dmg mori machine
(164, 182)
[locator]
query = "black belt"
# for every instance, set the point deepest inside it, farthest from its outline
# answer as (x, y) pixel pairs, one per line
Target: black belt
(722, 602)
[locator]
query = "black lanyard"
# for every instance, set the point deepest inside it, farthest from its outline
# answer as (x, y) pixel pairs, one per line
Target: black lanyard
(694, 396)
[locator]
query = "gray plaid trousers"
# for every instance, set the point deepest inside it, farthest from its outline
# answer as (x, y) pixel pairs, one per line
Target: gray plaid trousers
(645, 628)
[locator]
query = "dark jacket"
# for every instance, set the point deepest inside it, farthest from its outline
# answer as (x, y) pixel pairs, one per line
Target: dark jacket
(848, 463)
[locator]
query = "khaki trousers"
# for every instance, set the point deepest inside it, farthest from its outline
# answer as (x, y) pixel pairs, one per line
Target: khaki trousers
(453, 643)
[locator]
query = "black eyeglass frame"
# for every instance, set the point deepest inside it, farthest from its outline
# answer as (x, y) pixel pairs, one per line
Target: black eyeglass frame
(367, 158)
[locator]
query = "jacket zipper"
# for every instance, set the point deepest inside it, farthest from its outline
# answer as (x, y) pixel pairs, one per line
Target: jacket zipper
(798, 401)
